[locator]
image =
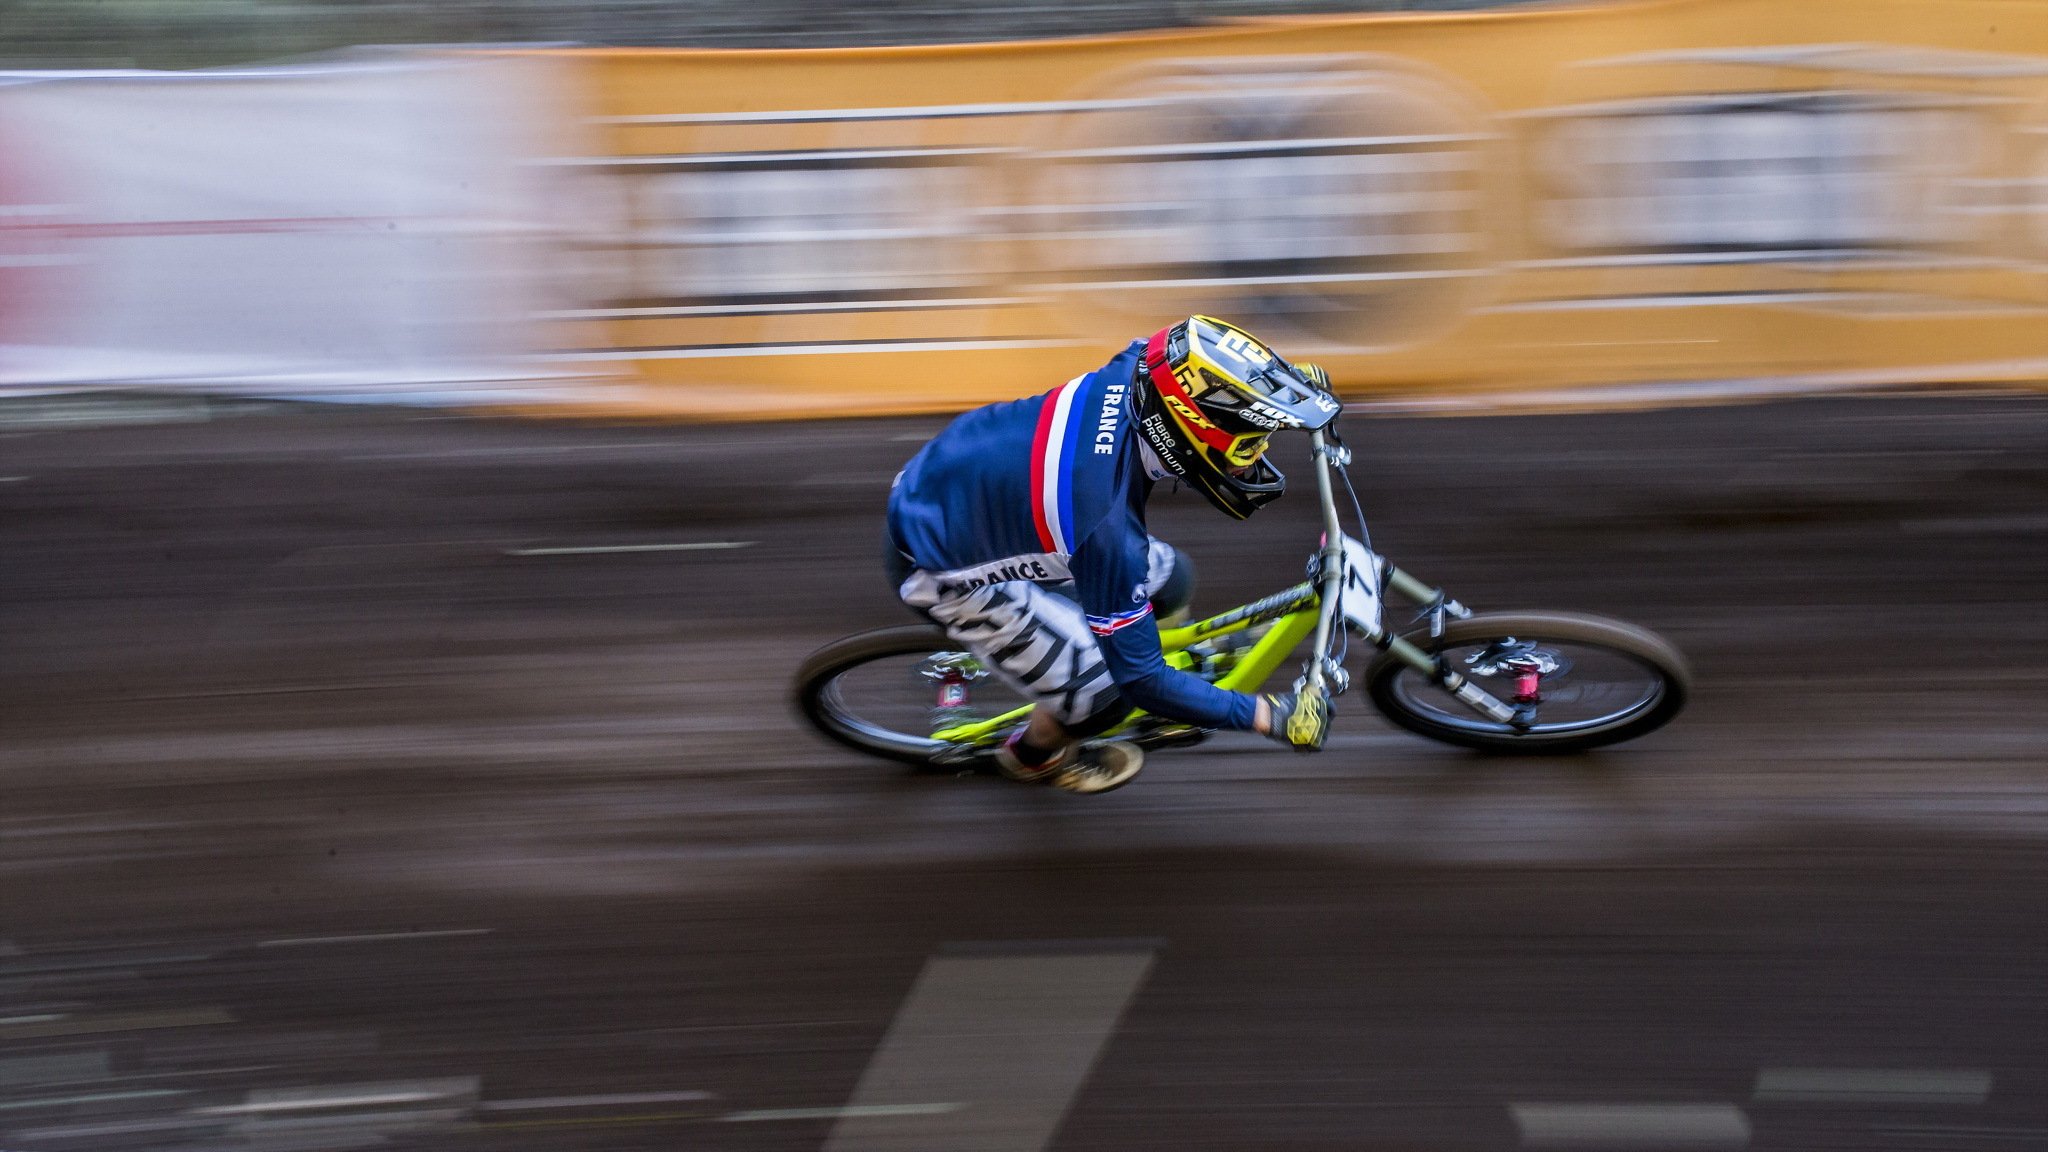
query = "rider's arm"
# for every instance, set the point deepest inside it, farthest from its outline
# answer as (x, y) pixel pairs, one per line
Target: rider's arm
(1109, 575)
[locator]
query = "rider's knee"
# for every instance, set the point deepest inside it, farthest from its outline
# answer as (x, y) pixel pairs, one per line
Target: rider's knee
(1177, 591)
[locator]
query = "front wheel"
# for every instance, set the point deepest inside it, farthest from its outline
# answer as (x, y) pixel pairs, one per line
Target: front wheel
(1578, 682)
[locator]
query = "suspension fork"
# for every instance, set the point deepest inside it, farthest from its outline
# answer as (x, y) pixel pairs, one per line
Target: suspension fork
(1436, 606)
(1437, 610)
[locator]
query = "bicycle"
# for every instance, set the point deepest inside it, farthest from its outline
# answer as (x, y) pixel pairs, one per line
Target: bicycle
(1530, 682)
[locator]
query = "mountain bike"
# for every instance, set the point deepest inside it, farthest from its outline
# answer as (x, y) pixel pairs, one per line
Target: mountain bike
(1526, 682)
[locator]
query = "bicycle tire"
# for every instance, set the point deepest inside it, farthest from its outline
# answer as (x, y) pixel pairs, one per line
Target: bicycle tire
(830, 714)
(817, 701)
(1405, 697)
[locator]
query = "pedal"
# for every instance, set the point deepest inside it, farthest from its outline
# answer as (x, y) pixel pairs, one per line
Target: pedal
(1156, 733)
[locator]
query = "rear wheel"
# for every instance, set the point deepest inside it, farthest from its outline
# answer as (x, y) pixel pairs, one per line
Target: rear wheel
(885, 692)
(1580, 682)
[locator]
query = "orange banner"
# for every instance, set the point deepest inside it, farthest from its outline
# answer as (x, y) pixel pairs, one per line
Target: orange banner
(1655, 201)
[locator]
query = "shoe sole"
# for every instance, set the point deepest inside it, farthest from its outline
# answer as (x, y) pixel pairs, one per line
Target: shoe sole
(1083, 779)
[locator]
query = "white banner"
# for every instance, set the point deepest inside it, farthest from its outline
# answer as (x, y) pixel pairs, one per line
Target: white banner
(365, 228)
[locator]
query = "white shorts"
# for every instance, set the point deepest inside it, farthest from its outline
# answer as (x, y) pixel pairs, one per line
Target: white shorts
(1033, 639)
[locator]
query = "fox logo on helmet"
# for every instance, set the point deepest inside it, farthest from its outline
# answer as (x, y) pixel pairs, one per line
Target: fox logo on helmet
(1188, 412)
(1263, 416)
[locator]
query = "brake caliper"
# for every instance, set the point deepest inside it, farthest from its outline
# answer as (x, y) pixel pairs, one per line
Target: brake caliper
(1521, 659)
(952, 672)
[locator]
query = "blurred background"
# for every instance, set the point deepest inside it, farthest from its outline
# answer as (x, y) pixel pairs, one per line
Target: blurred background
(432, 435)
(200, 33)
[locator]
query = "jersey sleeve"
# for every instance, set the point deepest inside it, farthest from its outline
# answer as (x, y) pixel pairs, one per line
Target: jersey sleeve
(1109, 576)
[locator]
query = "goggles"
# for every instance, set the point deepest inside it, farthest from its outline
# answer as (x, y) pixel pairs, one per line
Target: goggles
(1246, 449)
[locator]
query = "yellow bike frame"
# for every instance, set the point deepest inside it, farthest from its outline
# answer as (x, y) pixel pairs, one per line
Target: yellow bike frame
(1293, 612)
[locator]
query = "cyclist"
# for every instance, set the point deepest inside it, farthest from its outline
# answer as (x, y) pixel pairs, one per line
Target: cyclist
(1017, 498)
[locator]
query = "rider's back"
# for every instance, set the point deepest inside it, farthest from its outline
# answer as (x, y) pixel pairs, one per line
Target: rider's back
(966, 497)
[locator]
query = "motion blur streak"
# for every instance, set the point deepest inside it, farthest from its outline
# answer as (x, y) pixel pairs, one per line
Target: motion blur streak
(392, 772)
(327, 818)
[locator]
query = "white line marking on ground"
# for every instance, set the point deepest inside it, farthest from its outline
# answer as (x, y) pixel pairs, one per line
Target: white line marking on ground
(539, 1103)
(12, 479)
(132, 1022)
(851, 1111)
(1011, 1033)
(89, 1098)
(366, 1100)
(372, 937)
(1874, 1085)
(598, 550)
(6, 1020)
(281, 1101)
(120, 1128)
(225, 1070)
(1631, 1126)
(46, 964)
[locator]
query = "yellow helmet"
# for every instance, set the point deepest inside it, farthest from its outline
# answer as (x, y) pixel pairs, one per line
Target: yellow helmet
(1216, 393)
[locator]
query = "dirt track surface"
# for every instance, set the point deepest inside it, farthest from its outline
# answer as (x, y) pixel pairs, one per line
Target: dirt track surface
(340, 803)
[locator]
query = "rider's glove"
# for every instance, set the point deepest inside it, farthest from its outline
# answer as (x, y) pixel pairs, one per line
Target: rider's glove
(1300, 720)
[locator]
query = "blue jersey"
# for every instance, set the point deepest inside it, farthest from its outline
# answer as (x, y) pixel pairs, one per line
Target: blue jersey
(1050, 489)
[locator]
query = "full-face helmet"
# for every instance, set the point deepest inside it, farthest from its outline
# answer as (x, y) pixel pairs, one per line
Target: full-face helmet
(1216, 394)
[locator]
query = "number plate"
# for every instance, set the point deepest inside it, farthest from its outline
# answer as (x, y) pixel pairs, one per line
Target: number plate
(1359, 598)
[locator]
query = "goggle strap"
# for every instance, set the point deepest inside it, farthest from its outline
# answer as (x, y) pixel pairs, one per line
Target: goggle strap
(1163, 379)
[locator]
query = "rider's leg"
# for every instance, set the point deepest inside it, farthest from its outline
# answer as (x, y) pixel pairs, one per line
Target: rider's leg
(1049, 750)
(1041, 738)
(1046, 734)
(1039, 644)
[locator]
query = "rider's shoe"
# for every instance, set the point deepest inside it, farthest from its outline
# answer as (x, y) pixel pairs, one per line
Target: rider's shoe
(1101, 768)
(1082, 768)
(1022, 773)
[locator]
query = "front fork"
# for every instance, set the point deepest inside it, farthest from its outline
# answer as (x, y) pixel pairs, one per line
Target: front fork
(1437, 611)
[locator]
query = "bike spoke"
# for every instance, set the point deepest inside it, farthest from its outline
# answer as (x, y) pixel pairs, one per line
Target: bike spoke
(935, 697)
(1562, 686)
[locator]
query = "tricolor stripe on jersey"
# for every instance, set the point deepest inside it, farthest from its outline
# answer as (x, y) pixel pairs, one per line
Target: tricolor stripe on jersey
(1052, 458)
(1104, 625)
